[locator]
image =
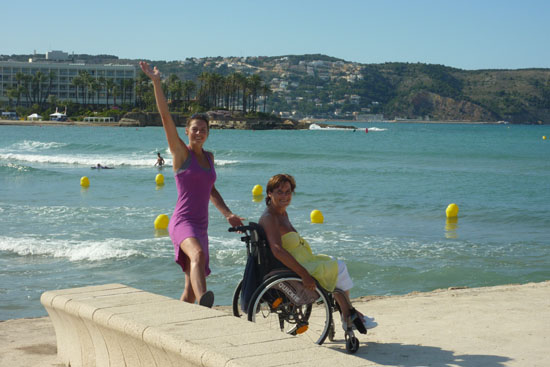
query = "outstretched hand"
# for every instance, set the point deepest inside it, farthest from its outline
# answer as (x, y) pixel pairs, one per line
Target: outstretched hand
(153, 74)
(235, 220)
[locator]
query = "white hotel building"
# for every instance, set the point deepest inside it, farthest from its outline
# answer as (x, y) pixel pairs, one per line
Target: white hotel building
(64, 71)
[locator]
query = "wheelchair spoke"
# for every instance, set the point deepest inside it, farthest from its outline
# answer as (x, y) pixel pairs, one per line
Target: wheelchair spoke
(274, 309)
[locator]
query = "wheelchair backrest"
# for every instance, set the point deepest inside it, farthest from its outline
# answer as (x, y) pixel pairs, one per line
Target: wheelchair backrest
(260, 250)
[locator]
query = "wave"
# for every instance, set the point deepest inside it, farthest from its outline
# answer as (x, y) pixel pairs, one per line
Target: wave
(16, 170)
(92, 160)
(317, 127)
(32, 145)
(334, 128)
(225, 162)
(72, 250)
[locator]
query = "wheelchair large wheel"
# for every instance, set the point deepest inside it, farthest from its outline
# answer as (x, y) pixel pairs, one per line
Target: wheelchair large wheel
(237, 300)
(271, 307)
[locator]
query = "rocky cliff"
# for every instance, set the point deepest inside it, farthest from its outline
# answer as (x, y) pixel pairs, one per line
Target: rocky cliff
(217, 121)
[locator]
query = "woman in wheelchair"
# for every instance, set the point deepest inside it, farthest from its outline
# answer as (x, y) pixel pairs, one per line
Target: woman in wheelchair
(295, 253)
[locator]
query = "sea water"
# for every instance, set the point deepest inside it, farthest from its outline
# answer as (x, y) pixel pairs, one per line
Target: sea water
(383, 195)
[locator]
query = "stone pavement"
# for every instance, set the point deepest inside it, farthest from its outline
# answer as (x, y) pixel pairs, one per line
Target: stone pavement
(489, 327)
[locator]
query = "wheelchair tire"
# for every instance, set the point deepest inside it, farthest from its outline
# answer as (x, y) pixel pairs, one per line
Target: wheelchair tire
(270, 307)
(352, 344)
(237, 300)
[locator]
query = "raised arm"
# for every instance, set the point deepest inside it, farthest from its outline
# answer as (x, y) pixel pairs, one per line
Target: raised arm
(176, 145)
(270, 225)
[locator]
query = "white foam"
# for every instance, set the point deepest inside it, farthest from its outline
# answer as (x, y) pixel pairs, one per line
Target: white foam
(92, 160)
(376, 129)
(17, 167)
(333, 128)
(31, 145)
(317, 127)
(73, 250)
(224, 162)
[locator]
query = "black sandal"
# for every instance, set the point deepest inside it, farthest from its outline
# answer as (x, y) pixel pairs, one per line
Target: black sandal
(207, 299)
(354, 316)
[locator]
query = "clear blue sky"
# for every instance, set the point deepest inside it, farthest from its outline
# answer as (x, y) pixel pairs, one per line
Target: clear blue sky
(467, 34)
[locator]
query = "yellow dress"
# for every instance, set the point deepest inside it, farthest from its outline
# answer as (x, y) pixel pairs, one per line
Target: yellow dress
(321, 267)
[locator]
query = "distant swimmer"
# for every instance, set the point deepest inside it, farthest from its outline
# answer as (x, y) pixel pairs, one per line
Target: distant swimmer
(99, 166)
(160, 161)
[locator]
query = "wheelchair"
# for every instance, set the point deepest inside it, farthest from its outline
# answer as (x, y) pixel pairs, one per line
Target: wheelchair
(272, 295)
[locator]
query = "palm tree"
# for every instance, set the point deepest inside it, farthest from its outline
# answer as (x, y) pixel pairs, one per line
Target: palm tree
(13, 93)
(130, 83)
(142, 86)
(53, 100)
(266, 92)
(94, 88)
(189, 87)
(86, 82)
(176, 90)
(50, 77)
(36, 87)
(101, 85)
(204, 79)
(23, 81)
(116, 93)
(241, 81)
(218, 82)
(255, 83)
(109, 86)
(171, 86)
(77, 82)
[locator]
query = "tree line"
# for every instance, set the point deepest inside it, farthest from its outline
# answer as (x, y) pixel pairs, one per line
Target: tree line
(211, 91)
(36, 89)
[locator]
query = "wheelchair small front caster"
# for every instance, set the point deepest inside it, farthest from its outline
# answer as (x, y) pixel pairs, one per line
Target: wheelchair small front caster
(352, 343)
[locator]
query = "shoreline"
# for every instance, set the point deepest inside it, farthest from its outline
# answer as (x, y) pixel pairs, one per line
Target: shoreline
(503, 325)
(412, 121)
(214, 126)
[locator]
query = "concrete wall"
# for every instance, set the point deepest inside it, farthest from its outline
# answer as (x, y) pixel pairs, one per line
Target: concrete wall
(116, 325)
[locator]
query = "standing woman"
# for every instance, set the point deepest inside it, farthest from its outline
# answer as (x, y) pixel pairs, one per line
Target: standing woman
(195, 176)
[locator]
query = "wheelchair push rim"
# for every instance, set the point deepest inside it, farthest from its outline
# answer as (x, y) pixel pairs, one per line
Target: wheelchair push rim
(271, 307)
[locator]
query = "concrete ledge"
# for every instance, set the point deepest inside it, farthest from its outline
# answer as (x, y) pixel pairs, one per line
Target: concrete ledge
(116, 325)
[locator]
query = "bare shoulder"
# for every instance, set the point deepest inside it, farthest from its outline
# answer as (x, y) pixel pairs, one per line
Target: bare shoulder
(268, 221)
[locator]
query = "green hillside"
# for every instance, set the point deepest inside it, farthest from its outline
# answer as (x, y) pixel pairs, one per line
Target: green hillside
(323, 86)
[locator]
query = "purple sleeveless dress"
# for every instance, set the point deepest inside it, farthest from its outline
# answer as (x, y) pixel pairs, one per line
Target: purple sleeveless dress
(190, 217)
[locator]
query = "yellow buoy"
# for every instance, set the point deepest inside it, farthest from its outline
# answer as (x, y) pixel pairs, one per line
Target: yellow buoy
(84, 181)
(544, 137)
(452, 210)
(162, 221)
(159, 179)
(316, 216)
(257, 190)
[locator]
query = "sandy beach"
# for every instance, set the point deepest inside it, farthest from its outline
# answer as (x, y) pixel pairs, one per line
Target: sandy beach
(490, 327)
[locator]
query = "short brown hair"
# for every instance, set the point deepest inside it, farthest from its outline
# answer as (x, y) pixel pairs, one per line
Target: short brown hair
(276, 181)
